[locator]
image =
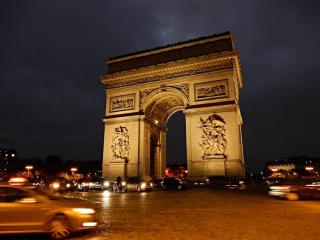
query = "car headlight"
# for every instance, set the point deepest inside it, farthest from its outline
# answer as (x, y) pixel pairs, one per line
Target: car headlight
(123, 183)
(84, 210)
(68, 185)
(55, 185)
(106, 184)
(143, 185)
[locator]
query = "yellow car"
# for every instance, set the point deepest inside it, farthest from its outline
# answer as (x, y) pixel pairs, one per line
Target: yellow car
(24, 210)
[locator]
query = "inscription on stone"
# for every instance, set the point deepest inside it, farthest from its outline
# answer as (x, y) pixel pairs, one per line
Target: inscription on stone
(210, 90)
(122, 103)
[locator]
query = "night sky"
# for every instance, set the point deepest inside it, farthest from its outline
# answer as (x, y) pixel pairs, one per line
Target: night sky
(52, 54)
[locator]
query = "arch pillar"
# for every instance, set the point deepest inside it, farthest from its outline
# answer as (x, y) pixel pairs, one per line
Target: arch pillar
(199, 162)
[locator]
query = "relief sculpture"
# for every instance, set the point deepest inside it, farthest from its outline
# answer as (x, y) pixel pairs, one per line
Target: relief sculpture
(213, 139)
(120, 144)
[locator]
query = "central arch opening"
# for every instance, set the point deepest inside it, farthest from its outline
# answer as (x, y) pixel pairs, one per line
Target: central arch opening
(176, 154)
(167, 133)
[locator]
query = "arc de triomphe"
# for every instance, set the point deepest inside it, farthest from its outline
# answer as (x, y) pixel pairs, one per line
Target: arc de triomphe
(201, 77)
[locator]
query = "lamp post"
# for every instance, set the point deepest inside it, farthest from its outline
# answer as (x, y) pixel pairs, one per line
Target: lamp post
(73, 170)
(28, 168)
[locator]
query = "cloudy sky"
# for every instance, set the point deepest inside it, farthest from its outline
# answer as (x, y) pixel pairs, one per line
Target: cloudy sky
(52, 54)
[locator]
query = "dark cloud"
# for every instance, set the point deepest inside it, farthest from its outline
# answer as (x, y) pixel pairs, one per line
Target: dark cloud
(53, 52)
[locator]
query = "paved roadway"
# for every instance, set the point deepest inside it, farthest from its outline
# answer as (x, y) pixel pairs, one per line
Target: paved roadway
(199, 213)
(202, 213)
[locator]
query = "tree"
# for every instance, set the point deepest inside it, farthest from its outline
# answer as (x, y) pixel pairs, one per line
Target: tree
(53, 164)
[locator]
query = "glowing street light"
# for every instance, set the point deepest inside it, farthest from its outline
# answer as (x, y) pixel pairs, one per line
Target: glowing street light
(73, 169)
(28, 168)
(309, 168)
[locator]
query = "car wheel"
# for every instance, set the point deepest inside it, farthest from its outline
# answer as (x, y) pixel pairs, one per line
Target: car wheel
(292, 196)
(59, 228)
(138, 189)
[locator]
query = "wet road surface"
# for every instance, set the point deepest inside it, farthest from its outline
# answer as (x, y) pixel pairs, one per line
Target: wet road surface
(202, 213)
(199, 213)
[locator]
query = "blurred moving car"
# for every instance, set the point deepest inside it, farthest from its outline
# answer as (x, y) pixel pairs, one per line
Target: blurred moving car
(57, 184)
(172, 183)
(107, 184)
(157, 182)
(95, 183)
(138, 184)
(83, 185)
(226, 182)
(272, 181)
(25, 210)
(294, 189)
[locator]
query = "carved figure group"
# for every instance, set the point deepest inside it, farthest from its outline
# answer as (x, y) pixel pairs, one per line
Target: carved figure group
(213, 139)
(120, 143)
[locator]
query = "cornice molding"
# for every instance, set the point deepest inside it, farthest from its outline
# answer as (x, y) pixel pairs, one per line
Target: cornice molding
(159, 73)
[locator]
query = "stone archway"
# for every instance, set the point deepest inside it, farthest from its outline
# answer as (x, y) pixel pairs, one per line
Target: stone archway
(200, 77)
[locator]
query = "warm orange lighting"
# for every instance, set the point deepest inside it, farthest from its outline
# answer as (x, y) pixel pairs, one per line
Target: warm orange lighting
(55, 185)
(274, 169)
(73, 169)
(29, 167)
(17, 181)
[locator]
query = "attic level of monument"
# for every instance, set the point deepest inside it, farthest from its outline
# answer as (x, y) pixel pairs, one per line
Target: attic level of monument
(133, 54)
(202, 78)
(169, 54)
(220, 45)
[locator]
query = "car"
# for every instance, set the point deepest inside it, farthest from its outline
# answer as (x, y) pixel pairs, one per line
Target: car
(57, 184)
(138, 184)
(172, 183)
(226, 182)
(107, 184)
(294, 189)
(33, 210)
(157, 182)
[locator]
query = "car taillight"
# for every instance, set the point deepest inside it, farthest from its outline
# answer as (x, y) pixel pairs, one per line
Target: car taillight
(17, 181)
(283, 187)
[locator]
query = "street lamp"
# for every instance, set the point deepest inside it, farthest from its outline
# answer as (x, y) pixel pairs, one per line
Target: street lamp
(29, 167)
(73, 169)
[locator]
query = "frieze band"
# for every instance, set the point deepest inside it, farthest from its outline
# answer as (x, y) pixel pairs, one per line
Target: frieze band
(191, 70)
(211, 90)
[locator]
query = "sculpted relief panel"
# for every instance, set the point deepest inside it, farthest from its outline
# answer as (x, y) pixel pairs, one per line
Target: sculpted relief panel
(211, 90)
(120, 144)
(213, 138)
(122, 103)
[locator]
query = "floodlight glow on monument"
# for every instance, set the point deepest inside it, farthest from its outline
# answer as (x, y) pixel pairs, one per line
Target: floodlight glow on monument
(202, 78)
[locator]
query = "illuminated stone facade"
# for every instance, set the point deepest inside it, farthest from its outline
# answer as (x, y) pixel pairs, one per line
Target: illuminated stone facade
(202, 78)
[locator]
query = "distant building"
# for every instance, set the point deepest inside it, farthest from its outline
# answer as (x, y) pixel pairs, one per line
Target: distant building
(293, 167)
(7, 158)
